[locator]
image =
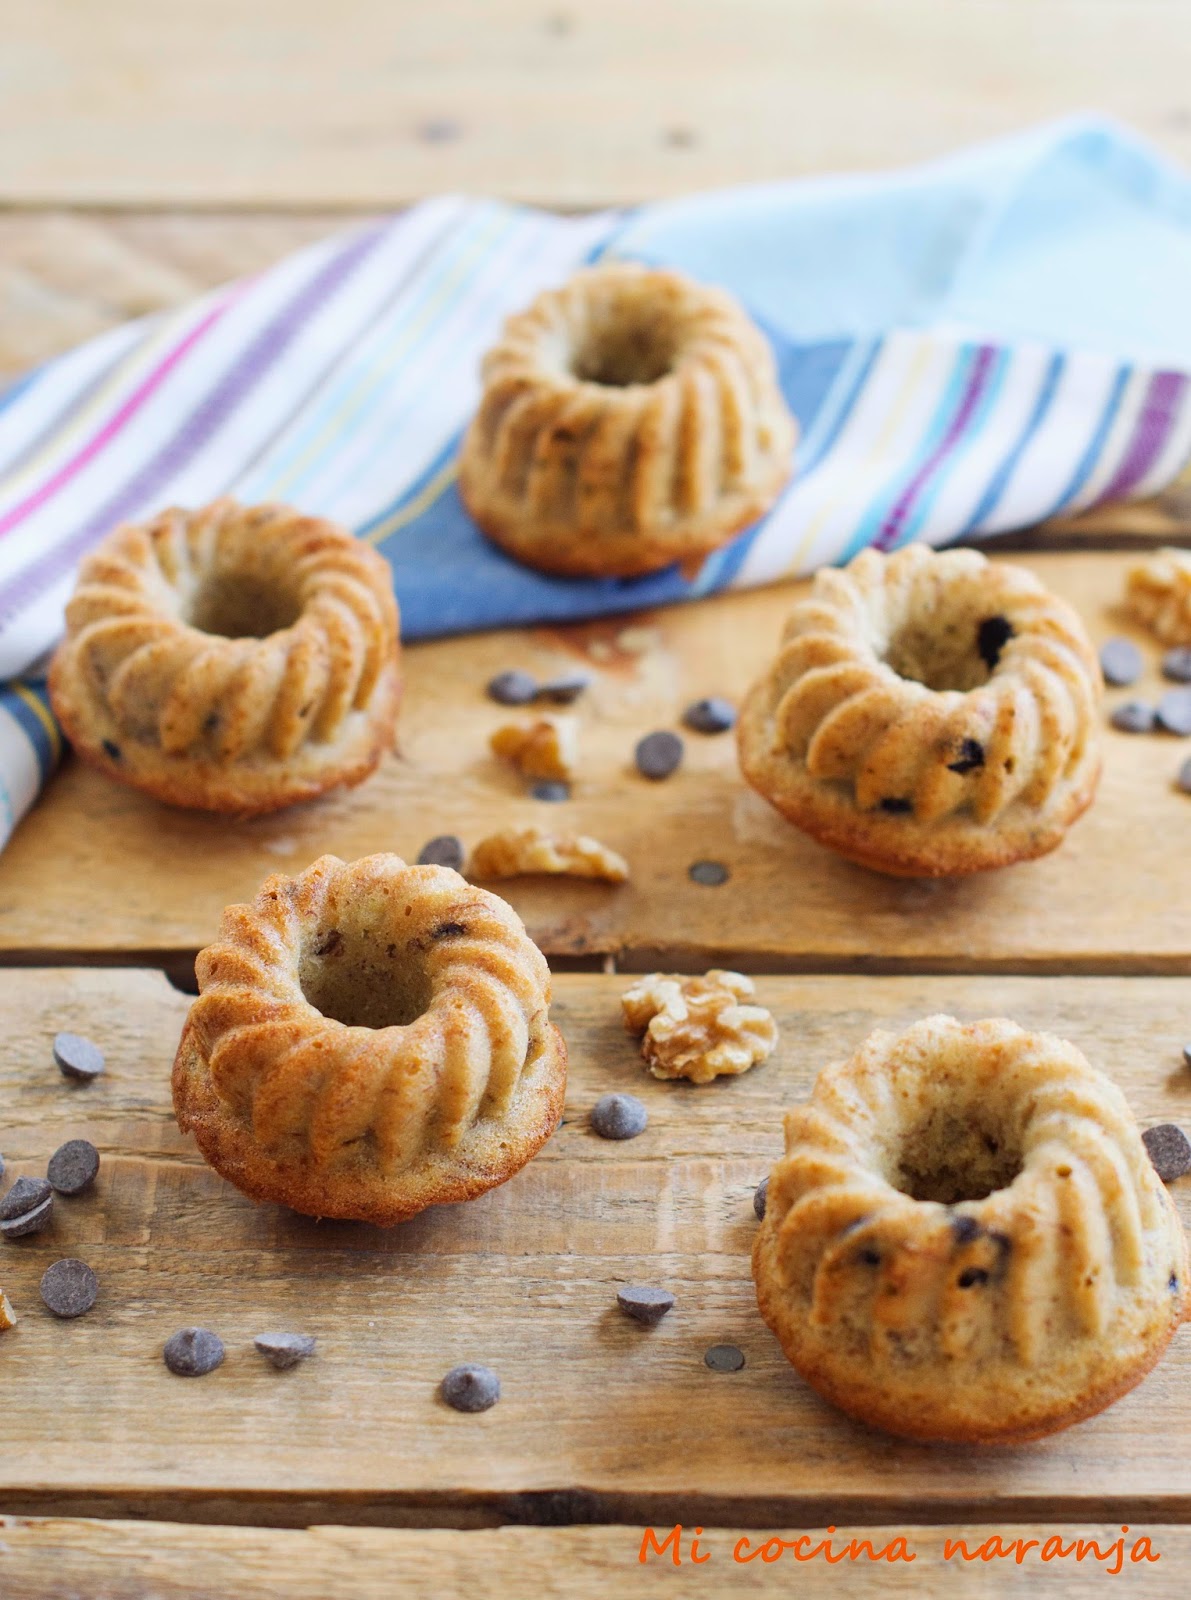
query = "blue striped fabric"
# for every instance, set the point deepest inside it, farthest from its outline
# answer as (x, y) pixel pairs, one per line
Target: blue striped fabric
(959, 344)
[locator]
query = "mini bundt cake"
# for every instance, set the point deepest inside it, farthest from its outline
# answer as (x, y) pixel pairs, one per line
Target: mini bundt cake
(928, 714)
(370, 1039)
(966, 1239)
(236, 658)
(629, 420)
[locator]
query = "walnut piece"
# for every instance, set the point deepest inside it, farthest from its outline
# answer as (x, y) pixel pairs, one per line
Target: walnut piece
(697, 1028)
(548, 748)
(520, 852)
(8, 1317)
(1158, 594)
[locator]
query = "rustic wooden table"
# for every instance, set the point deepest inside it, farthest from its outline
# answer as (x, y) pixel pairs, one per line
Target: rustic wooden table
(148, 151)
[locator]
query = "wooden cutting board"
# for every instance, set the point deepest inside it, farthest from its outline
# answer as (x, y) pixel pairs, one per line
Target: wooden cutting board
(96, 871)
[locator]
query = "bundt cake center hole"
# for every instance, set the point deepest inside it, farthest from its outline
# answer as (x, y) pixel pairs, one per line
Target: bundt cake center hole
(626, 350)
(364, 980)
(956, 1155)
(242, 608)
(948, 650)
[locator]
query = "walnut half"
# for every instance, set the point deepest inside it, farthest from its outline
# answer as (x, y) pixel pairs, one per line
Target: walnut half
(697, 1028)
(1158, 594)
(548, 748)
(522, 852)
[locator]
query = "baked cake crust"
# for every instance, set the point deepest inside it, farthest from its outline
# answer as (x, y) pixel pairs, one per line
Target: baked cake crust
(446, 1077)
(233, 658)
(929, 714)
(966, 1240)
(630, 419)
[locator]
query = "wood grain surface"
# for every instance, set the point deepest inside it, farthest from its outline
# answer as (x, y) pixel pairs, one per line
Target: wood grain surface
(65, 1558)
(95, 870)
(67, 275)
(573, 102)
(599, 1419)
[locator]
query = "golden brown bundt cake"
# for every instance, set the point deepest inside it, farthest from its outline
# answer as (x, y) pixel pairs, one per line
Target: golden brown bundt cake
(630, 419)
(370, 1039)
(966, 1239)
(237, 658)
(928, 714)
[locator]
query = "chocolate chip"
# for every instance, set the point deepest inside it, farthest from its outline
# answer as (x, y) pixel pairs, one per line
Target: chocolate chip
(1176, 664)
(470, 1388)
(1, 1166)
(972, 1277)
(1174, 712)
(565, 690)
(1120, 662)
(712, 715)
(870, 1257)
(24, 1196)
(193, 1352)
(1173, 1283)
(112, 750)
(77, 1057)
(551, 789)
(724, 1358)
(512, 688)
(1169, 1149)
(658, 754)
(285, 1350)
(760, 1198)
(32, 1221)
(618, 1116)
(448, 930)
(1187, 1055)
(971, 756)
(897, 806)
(647, 1306)
(1133, 717)
(993, 634)
(69, 1288)
(73, 1166)
(964, 1229)
(1183, 781)
(444, 850)
(709, 873)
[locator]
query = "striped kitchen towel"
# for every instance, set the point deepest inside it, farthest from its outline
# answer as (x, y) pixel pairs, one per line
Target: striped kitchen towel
(969, 347)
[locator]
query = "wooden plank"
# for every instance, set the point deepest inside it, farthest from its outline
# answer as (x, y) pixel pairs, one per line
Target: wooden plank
(59, 1559)
(66, 276)
(98, 871)
(599, 1419)
(580, 102)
